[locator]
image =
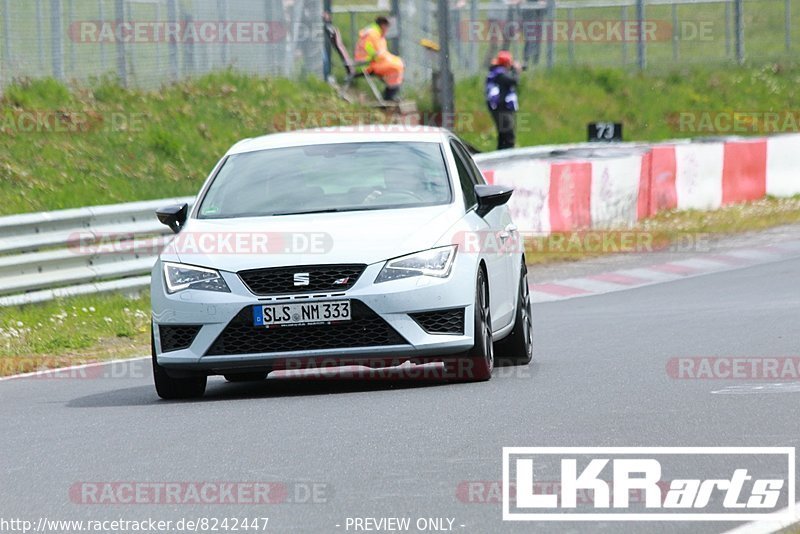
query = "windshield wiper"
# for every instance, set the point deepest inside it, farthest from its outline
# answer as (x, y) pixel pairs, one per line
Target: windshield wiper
(327, 210)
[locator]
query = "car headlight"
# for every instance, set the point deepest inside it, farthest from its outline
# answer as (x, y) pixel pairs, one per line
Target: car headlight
(179, 277)
(434, 262)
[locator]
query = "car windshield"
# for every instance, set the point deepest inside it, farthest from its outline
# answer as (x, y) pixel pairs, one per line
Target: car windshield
(328, 178)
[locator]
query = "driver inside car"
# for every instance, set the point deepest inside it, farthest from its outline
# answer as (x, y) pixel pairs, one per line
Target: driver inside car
(398, 182)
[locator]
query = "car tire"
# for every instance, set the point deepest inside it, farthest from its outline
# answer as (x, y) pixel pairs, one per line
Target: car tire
(477, 364)
(517, 348)
(246, 377)
(170, 388)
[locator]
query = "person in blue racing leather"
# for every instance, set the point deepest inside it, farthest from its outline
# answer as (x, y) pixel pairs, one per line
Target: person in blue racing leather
(501, 97)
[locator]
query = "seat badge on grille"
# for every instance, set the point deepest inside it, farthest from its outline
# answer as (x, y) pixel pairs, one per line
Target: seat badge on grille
(302, 279)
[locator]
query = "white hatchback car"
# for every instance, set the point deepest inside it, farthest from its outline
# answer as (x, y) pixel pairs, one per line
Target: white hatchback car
(340, 247)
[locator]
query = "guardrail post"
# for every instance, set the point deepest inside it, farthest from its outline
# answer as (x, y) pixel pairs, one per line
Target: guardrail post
(446, 98)
(327, 64)
(549, 33)
(398, 21)
(70, 20)
(122, 63)
(738, 19)
(6, 37)
(787, 24)
(727, 29)
(157, 44)
(624, 17)
(57, 38)
(641, 59)
(571, 42)
(222, 13)
(274, 53)
(189, 49)
(474, 61)
(39, 35)
(675, 33)
(102, 13)
(172, 18)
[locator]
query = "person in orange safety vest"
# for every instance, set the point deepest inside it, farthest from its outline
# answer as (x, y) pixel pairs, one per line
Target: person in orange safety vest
(372, 48)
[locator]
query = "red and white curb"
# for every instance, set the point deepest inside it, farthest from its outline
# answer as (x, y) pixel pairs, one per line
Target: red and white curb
(573, 187)
(596, 284)
(623, 279)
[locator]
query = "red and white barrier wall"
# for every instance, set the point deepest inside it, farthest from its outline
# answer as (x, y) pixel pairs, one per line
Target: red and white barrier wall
(614, 186)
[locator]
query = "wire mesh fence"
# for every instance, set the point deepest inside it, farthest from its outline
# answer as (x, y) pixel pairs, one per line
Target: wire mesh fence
(149, 42)
(146, 43)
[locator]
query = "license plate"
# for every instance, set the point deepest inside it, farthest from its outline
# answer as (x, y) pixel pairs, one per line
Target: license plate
(294, 314)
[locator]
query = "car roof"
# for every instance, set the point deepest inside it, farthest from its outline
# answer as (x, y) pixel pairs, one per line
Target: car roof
(363, 133)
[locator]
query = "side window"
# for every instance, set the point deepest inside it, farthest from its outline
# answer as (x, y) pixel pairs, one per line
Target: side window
(474, 170)
(465, 176)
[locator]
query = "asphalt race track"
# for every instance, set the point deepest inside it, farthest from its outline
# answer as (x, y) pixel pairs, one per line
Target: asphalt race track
(381, 448)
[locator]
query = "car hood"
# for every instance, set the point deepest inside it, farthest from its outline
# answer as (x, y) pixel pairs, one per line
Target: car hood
(350, 237)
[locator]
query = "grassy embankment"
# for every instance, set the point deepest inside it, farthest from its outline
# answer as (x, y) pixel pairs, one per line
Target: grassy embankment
(142, 145)
(163, 143)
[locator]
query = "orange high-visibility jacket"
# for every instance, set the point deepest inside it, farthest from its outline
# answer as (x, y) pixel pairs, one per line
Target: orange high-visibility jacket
(372, 47)
(371, 44)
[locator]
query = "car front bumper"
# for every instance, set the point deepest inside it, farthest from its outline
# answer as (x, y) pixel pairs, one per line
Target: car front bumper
(392, 301)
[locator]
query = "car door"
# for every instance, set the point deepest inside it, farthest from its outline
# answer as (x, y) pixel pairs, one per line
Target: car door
(509, 239)
(489, 234)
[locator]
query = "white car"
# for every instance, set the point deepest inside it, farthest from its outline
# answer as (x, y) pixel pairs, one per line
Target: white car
(340, 247)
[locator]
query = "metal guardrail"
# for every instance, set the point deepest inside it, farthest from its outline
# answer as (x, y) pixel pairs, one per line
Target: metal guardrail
(78, 251)
(49, 255)
(57, 254)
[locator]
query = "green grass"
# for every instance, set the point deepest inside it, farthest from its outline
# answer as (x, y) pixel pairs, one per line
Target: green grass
(183, 129)
(72, 331)
(556, 107)
(163, 143)
(106, 327)
(764, 32)
(129, 145)
(671, 227)
(118, 145)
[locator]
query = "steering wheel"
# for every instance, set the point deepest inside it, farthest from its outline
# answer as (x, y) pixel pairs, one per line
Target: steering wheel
(373, 198)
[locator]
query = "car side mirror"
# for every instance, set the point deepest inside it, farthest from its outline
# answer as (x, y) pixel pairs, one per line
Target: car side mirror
(490, 197)
(173, 216)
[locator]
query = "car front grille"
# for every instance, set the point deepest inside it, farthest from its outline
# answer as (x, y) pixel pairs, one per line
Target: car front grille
(284, 280)
(365, 329)
(441, 321)
(177, 337)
